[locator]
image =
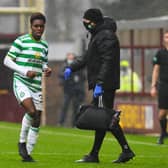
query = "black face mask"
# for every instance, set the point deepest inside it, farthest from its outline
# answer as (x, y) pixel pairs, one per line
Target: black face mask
(88, 27)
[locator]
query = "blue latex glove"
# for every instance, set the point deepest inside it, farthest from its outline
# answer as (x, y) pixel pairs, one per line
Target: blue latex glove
(98, 91)
(67, 73)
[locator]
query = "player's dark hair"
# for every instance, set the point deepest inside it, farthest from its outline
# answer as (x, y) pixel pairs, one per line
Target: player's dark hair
(38, 16)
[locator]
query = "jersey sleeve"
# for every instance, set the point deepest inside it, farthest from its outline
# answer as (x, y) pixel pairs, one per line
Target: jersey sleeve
(156, 58)
(45, 59)
(15, 49)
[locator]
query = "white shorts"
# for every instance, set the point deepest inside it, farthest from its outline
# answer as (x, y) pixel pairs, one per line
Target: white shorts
(22, 92)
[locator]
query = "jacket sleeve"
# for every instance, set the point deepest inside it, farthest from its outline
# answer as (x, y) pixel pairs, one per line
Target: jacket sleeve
(106, 46)
(79, 63)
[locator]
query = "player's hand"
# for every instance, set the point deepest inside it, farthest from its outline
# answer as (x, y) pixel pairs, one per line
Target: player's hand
(31, 74)
(47, 72)
(67, 73)
(153, 92)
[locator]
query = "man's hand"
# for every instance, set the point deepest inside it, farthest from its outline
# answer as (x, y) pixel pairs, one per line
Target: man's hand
(98, 91)
(153, 91)
(67, 73)
(47, 72)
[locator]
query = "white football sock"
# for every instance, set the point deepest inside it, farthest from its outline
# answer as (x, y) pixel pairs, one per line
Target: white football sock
(32, 139)
(26, 123)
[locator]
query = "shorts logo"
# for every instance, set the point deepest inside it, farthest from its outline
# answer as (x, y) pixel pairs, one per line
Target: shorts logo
(22, 94)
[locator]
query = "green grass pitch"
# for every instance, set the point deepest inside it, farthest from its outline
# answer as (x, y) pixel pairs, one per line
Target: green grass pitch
(60, 147)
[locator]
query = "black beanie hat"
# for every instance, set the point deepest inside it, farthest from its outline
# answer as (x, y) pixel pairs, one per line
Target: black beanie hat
(94, 15)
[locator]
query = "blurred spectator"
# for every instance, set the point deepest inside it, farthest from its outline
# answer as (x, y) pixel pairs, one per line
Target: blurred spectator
(74, 90)
(129, 81)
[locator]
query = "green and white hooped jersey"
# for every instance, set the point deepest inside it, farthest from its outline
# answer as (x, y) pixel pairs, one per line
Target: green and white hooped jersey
(32, 55)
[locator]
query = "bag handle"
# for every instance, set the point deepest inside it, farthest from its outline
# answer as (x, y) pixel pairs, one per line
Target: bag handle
(100, 101)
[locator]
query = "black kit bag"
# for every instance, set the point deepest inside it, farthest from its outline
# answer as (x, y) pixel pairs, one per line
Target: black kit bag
(91, 117)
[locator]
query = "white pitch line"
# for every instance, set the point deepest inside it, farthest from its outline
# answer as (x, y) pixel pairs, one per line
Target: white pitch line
(84, 136)
(79, 154)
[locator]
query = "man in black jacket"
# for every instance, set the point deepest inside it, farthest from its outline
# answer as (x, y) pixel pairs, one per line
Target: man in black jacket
(73, 88)
(102, 60)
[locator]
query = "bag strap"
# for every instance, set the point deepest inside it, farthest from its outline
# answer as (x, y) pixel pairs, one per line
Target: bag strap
(100, 101)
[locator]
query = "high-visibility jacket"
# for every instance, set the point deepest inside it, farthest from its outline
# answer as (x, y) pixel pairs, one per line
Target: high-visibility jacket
(128, 83)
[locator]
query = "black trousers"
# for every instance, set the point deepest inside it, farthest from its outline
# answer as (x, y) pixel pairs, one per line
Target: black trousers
(108, 102)
(76, 98)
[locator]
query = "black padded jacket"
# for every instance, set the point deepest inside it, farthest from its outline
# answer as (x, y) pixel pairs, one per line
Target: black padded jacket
(102, 58)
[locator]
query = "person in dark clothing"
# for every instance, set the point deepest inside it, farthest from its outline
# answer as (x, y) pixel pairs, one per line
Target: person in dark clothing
(160, 86)
(74, 90)
(102, 60)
